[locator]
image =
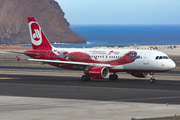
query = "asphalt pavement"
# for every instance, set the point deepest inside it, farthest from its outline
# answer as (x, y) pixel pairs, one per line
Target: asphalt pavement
(54, 93)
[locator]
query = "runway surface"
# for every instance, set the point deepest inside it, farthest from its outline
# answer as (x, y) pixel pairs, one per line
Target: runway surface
(124, 90)
(28, 93)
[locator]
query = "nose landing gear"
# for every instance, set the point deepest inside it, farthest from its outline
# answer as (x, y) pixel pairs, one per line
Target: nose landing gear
(152, 80)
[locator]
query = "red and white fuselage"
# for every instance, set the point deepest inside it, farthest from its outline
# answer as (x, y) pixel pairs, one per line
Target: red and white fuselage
(138, 63)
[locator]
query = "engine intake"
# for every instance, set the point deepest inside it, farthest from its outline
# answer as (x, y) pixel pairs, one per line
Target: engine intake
(98, 72)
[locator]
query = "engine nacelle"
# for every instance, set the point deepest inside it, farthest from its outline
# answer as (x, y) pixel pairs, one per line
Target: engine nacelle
(140, 74)
(98, 72)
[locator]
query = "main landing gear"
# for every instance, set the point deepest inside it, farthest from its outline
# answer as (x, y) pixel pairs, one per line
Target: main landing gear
(113, 77)
(152, 80)
(85, 78)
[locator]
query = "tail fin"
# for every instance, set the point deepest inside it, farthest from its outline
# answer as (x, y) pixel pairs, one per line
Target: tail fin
(38, 38)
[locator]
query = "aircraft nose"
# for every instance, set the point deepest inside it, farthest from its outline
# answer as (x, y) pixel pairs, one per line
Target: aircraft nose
(172, 65)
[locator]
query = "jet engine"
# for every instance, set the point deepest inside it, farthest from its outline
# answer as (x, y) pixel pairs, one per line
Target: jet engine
(98, 72)
(140, 74)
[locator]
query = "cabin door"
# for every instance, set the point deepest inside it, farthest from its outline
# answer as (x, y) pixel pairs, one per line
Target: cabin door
(146, 58)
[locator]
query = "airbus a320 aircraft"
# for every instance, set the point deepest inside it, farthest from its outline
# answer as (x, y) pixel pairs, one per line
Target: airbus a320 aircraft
(97, 63)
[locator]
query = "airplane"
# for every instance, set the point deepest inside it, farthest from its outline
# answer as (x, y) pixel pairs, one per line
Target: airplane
(97, 63)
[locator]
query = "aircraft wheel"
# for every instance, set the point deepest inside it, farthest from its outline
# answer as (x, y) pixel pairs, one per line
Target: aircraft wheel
(113, 77)
(85, 78)
(88, 78)
(152, 80)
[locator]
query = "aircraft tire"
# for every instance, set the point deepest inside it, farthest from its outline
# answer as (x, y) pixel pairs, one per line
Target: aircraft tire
(113, 77)
(85, 78)
(152, 80)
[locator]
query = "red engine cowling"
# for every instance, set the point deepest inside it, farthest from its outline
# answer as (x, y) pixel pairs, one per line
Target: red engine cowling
(140, 74)
(98, 72)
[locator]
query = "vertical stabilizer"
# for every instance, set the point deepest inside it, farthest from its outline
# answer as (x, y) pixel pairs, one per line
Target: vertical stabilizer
(38, 38)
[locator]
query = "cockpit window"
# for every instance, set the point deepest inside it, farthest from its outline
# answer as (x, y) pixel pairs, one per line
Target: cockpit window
(165, 57)
(161, 57)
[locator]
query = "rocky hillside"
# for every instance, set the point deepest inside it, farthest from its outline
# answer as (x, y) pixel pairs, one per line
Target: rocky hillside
(14, 27)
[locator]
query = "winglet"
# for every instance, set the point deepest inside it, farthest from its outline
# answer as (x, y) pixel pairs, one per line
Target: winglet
(18, 59)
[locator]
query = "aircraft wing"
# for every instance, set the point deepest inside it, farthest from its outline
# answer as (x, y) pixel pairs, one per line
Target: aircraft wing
(70, 62)
(23, 53)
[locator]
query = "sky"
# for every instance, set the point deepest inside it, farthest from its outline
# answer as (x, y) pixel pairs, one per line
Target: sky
(121, 12)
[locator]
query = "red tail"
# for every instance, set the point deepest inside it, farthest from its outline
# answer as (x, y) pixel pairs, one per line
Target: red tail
(38, 38)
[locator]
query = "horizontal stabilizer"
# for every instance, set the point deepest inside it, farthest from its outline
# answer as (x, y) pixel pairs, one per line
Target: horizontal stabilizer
(18, 59)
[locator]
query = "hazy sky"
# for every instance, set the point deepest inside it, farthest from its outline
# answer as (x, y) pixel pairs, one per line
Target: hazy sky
(121, 11)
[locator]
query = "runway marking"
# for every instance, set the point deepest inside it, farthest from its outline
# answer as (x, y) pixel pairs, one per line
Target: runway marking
(151, 98)
(61, 113)
(4, 78)
(33, 106)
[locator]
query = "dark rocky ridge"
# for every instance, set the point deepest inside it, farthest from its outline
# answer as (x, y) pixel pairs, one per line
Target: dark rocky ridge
(14, 27)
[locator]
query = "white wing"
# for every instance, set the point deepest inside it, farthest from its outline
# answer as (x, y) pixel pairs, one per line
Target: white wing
(70, 62)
